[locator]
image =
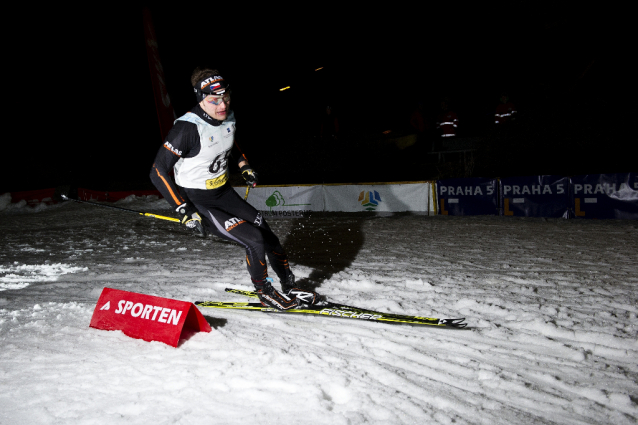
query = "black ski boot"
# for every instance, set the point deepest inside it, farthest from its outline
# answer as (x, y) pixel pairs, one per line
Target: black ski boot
(305, 297)
(270, 297)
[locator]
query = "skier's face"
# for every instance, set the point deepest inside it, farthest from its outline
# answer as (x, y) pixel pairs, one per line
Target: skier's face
(216, 106)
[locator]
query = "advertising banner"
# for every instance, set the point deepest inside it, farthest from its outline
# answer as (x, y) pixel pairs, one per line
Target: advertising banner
(34, 197)
(146, 317)
(284, 201)
(92, 195)
(467, 196)
(96, 195)
(535, 196)
(377, 197)
(605, 196)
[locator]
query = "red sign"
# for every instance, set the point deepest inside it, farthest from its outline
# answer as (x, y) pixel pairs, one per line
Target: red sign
(146, 317)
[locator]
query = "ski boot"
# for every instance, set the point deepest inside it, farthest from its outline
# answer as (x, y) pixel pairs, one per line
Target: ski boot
(305, 297)
(270, 297)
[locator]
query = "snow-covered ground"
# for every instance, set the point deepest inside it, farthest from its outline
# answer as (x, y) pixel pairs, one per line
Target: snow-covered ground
(551, 306)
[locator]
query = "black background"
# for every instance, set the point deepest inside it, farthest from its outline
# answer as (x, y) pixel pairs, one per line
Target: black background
(82, 111)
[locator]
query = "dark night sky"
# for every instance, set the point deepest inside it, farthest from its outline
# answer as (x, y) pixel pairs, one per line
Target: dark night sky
(89, 109)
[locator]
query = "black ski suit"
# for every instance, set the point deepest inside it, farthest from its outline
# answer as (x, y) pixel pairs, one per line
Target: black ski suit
(197, 149)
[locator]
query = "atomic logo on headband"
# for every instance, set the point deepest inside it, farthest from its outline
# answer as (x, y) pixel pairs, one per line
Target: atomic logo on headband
(213, 85)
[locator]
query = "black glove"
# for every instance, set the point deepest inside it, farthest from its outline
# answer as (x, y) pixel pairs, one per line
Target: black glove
(249, 175)
(192, 220)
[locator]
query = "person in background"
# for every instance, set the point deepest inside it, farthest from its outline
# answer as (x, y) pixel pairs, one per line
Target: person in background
(447, 121)
(505, 111)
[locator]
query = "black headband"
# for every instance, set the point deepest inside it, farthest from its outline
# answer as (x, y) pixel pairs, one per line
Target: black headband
(211, 85)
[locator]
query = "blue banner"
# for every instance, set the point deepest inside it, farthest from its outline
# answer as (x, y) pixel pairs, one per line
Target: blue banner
(535, 196)
(470, 196)
(605, 196)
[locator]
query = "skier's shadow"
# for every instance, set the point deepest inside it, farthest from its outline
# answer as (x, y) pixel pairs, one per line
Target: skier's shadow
(328, 243)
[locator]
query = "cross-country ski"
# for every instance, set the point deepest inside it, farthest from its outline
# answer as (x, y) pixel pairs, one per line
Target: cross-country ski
(327, 308)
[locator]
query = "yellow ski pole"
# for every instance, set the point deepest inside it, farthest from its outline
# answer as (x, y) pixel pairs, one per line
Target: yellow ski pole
(161, 217)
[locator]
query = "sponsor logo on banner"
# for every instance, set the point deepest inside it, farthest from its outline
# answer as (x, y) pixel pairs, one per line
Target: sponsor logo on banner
(534, 196)
(370, 200)
(467, 196)
(147, 311)
(605, 196)
(472, 190)
(601, 189)
(534, 189)
(277, 200)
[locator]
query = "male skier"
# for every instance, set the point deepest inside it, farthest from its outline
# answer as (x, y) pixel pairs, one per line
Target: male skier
(197, 149)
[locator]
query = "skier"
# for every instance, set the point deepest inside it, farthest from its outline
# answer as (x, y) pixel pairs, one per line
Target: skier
(197, 149)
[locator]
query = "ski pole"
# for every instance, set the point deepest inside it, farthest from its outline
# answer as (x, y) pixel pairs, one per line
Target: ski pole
(161, 217)
(247, 190)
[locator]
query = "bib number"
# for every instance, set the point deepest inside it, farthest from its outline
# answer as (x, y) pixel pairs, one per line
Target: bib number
(219, 163)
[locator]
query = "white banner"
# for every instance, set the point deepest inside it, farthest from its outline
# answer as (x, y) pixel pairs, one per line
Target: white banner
(378, 197)
(284, 201)
(295, 201)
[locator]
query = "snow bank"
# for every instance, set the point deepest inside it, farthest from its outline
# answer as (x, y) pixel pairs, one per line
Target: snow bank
(551, 307)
